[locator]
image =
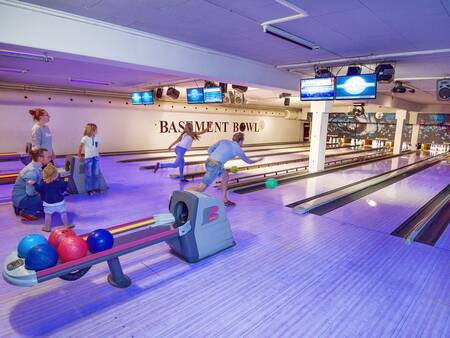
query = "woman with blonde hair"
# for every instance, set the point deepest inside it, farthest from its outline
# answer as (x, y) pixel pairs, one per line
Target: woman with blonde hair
(89, 143)
(184, 143)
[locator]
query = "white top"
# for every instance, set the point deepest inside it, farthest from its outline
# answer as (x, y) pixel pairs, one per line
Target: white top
(186, 142)
(90, 146)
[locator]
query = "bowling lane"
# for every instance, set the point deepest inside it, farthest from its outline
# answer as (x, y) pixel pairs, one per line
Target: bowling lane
(385, 209)
(295, 154)
(10, 166)
(289, 193)
(204, 151)
(338, 154)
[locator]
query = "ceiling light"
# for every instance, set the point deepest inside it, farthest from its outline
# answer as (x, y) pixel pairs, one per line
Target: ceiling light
(103, 83)
(13, 70)
(23, 55)
(279, 33)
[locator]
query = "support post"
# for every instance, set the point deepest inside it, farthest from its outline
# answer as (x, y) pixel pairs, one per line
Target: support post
(117, 278)
(415, 129)
(320, 111)
(400, 116)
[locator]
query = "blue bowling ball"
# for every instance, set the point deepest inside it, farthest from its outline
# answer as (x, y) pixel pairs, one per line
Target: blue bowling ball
(41, 257)
(99, 240)
(28, 242)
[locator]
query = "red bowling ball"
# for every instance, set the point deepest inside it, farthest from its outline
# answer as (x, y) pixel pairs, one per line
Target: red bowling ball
(57, 235)
(71, 248)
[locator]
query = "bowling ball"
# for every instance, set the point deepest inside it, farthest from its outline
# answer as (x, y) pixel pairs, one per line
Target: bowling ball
(99, 240)
(57, 235)
(234, 169)
(271, 183)
(41, 257)
(71, 248)
(28, 242)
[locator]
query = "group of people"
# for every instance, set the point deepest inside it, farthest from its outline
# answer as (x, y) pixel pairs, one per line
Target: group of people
(39, 188)
(218, 154)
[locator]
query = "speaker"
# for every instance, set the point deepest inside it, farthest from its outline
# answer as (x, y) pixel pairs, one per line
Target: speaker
(385, 72)
(173, 93)
(443, 89)
(241, 89)
(223, 87)
(323, 73)
(287, 101)
(353, 70)
(159, 93)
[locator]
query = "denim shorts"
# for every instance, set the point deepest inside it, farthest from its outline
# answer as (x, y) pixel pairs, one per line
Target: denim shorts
(213, 170)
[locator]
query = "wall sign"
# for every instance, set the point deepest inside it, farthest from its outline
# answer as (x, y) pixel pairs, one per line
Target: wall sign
(168, 127)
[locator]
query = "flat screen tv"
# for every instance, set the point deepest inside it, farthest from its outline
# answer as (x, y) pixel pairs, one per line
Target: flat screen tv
(147, 97)
(317, 89)
(356, 87)
(212, 95)
(136, 98)
(194, 95)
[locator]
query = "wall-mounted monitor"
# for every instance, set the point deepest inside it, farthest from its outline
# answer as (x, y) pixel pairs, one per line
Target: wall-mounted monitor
(136, 98)
(356, 87)
(142, 98)
(212, 95)
(194, 95)
(319, 89)
(147, 97)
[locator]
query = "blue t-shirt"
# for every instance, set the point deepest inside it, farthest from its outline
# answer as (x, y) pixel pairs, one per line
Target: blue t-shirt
(226, 150)
(52, 192)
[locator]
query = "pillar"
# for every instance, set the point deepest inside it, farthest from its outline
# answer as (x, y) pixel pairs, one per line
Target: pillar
(320, 111)
(400, 116)
(415, 130)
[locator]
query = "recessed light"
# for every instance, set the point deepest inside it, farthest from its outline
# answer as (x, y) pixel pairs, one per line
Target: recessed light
(23, 55)
(88, 81)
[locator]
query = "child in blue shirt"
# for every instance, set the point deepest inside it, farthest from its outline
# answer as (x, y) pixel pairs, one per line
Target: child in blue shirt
(52, 189)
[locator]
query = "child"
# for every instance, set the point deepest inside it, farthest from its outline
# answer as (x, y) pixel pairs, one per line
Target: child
(184, 144)
(90, 142)
(52, 189)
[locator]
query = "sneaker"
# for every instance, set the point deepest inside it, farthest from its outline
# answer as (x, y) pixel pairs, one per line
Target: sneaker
(16, 211)
(45, 229)
(229, 204)
(27, 217)
(90, 192)
(182, 179)
(98, 191)
(156, 167)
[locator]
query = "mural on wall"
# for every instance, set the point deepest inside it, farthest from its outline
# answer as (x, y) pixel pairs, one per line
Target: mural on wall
(434, 134)
(369, 125)
(434, 127)
(434, 119)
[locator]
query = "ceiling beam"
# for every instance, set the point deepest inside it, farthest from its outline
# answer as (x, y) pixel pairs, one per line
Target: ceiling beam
(33, 26)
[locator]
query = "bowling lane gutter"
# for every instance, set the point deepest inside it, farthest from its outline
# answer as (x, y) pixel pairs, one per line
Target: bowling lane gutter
(342, 198)
(428, 223)
(248, 187)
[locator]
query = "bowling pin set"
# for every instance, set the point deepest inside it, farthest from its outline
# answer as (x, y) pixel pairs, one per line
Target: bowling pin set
(356, 142)
(378, 144)
(439, 148)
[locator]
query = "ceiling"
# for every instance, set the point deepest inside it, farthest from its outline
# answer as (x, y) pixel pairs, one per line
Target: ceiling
(342, 29)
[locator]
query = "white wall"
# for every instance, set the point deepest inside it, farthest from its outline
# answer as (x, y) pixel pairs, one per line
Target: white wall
(126, 127)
